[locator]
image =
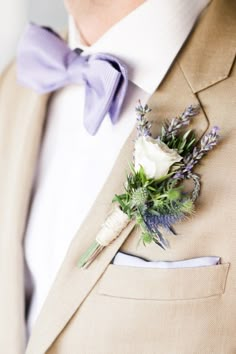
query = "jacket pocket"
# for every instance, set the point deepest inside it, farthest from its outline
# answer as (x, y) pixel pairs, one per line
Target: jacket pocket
(163, 284)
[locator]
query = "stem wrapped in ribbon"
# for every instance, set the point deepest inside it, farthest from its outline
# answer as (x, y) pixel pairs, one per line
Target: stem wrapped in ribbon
(115, 223)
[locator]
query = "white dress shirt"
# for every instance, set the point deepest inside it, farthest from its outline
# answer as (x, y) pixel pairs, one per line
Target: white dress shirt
(73, 166)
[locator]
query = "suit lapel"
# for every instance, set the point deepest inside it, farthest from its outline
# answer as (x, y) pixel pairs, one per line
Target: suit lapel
(22, 114)
(210, 52)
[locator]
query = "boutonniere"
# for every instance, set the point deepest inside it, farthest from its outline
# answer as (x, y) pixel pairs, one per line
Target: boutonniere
(154, 192)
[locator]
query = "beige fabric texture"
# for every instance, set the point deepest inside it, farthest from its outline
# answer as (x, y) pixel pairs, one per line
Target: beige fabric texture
(108, 309)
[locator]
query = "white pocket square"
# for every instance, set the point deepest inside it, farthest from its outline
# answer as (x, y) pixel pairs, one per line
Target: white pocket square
(133, 261)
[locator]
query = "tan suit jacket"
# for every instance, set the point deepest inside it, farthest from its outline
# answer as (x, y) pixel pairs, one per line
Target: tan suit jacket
(110, 309)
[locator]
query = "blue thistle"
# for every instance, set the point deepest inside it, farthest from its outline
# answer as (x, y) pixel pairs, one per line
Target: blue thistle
(154, 222)
(166, 218)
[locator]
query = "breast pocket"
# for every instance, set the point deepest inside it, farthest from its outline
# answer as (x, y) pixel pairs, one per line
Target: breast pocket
(163, 284)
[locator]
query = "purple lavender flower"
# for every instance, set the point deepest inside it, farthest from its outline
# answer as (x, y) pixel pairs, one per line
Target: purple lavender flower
(207, 143)
(143, 125)
(172, 128)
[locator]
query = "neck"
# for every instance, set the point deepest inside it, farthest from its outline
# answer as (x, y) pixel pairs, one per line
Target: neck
(94, 17)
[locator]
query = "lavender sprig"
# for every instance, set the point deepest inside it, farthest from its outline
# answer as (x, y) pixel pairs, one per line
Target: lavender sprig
(143, 125)
(171, 128)
(197, 186)
(206, 144)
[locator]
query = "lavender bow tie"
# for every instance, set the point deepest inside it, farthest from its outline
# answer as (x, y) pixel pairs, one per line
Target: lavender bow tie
(46, 63)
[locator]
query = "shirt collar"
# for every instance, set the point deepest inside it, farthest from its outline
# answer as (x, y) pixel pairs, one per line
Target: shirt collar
(148, 39)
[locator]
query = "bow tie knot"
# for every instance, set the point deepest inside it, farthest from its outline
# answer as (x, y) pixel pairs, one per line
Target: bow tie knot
(45, 63)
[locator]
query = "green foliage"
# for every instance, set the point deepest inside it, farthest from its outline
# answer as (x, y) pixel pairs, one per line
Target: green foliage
(146, 238)
(187, 207)
(158, 198)
(184, 143)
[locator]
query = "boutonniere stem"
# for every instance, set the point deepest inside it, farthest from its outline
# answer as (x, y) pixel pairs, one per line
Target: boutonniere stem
(116, 221)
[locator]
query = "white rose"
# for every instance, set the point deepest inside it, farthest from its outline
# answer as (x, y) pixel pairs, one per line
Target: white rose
(154, 156)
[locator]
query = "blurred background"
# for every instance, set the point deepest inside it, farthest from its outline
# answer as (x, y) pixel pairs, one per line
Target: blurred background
(14, 14)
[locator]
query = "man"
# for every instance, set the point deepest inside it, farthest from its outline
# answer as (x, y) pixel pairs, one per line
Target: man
(54, 173)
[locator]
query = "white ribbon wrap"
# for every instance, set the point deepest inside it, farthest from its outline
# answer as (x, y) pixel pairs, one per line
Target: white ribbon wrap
(112, 227)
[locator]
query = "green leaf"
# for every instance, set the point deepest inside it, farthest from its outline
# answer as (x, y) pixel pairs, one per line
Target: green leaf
(173, 194)
(186, 135)
(154, 212)
(163, 178)
(131, 166)
(151, 188)
(163, 131)
(120, 201)
(142, 175)
(147, 238)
